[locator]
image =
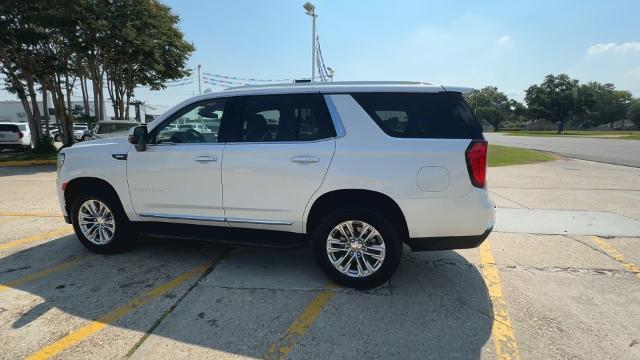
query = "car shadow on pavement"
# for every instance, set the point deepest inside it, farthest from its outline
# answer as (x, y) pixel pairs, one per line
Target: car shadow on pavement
(436, 306)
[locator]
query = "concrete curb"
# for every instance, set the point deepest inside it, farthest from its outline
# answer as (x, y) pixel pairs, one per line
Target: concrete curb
(27, 162)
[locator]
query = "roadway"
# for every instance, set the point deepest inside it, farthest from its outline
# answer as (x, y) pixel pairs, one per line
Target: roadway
(611, 151)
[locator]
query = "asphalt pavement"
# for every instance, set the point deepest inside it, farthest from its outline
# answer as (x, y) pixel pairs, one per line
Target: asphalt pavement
(611, 151)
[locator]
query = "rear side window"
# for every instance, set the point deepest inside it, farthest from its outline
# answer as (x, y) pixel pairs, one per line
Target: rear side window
(421, 115)
(276, 118)
(7, 127)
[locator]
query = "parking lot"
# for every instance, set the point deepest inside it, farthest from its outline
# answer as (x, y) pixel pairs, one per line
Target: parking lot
(558, 279)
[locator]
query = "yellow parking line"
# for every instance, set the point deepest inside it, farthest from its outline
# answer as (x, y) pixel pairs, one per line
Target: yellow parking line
(283, 346)
(42, 273)
(27, 162)
(617, 256)
(35, 238)
(504, 339)
(31, 214)
(82, 333)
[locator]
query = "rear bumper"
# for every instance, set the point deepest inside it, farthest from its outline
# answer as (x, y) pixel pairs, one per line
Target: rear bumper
(447, 243)
(447, 217)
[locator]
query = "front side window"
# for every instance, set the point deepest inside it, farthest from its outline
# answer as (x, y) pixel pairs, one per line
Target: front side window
(278, 118)
(197, 123)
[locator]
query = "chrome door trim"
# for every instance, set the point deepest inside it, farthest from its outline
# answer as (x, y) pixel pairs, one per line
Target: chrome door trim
(183, 217)
(253, 221)
(215, 219)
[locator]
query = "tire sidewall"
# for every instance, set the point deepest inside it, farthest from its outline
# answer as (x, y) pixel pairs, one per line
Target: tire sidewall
(119, 241)
(389, 233)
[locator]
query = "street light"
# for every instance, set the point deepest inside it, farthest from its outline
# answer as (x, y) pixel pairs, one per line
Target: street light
(311, 11)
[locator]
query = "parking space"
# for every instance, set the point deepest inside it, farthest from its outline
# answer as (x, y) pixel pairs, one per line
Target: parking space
(522, 295)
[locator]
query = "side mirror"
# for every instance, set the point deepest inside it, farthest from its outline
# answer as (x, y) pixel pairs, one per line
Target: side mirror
(138, 137)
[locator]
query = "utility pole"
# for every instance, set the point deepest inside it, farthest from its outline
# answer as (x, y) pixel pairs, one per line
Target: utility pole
(199, 83)
(310, 10)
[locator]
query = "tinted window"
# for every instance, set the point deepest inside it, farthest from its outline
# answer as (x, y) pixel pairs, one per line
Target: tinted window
(22, 127)
(12, 128)
(418, 115)
(293, 117)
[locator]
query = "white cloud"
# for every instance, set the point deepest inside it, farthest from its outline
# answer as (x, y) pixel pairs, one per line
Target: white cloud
(603, 48)
(504, 39)
(635, 72)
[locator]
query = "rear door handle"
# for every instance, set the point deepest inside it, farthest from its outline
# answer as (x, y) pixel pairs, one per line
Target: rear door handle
(305, 159)
(205, 158)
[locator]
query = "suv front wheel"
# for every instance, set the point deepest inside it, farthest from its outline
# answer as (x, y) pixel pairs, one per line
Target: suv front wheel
(357, 248)
(100, 223)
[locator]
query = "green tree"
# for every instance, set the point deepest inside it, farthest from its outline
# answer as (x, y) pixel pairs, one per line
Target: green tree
(608, 104)
(56, 44)
(491, 106)
(634, 112)
(145, 48)
(558, 99)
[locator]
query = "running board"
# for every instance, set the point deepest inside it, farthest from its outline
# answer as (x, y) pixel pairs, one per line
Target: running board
(225, 235)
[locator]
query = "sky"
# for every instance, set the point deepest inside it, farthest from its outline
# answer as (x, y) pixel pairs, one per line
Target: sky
(508, 44)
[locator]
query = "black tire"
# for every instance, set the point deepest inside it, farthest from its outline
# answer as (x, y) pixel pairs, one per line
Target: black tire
(390, 234)
(122, 236)
(85, 138)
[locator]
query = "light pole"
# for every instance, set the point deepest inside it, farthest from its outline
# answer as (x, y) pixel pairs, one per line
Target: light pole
(199, 83)
(311, 11)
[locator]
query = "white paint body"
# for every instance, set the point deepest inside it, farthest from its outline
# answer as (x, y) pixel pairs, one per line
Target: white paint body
(273, 185)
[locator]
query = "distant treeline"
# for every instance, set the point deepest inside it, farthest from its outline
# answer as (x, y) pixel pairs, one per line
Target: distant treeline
(558, 99)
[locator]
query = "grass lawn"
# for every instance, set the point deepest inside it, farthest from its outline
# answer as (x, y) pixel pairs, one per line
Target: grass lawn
(505, 155)
(630, 135)
(22, 156)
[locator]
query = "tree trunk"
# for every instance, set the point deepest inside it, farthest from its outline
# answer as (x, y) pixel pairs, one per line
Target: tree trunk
(45, 109)
(85, 94)
(103, 114)
(35, 124)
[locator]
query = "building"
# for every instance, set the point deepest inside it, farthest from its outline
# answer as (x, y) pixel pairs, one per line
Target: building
(12, 111)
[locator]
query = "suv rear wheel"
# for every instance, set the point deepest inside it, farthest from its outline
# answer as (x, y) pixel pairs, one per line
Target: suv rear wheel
(357, 248)
(100, 223)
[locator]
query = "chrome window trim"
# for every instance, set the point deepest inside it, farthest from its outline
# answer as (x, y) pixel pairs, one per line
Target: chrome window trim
(279, 142)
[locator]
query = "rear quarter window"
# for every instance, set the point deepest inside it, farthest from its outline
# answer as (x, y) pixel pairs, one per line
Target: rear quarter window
(421, 115)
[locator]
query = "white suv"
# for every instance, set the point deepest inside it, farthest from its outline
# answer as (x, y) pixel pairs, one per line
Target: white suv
(354, 169)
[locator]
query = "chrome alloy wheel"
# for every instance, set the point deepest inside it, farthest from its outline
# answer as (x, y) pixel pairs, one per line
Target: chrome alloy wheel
(355, 248)
(96, 222)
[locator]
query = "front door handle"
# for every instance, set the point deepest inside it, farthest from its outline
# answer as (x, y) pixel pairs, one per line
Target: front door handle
(305, 159)
(205, 158)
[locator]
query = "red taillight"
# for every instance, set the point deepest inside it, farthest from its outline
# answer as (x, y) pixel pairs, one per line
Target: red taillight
(476, 156)
(20, 135)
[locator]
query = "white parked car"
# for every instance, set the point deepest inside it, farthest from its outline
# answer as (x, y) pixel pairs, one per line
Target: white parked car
(15, 136)
(113, 128)
(81, 132)
(354, 169)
